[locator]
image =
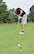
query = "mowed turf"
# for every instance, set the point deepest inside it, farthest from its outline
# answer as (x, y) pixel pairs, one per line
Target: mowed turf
(9, 39)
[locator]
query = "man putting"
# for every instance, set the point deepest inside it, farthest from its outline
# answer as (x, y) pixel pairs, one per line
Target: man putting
(23, 15)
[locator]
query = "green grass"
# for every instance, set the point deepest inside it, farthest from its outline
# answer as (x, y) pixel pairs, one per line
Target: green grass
(9, 39)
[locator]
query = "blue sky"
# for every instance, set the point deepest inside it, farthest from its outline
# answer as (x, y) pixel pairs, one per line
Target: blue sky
(24, 4)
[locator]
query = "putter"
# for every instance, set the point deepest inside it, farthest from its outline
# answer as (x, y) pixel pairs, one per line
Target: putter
(18, 26)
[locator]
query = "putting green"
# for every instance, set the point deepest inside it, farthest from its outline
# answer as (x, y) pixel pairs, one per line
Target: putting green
(9, 39)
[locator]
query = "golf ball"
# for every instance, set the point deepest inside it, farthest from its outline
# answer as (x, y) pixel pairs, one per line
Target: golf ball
(19, 45)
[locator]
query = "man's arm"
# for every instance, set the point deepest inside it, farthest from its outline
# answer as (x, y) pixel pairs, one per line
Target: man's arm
(19, 17)
(21, 12)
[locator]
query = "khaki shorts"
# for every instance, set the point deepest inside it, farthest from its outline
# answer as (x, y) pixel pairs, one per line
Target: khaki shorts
(24, 19)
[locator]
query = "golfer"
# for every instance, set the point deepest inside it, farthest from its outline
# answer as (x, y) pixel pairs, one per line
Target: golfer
(21, 14)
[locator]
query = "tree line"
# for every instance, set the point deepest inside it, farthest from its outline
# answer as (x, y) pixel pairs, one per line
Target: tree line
(8, 16)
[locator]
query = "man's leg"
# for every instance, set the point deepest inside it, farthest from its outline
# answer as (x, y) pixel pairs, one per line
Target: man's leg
(22, 27)
(24, 21)
(22, 32)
